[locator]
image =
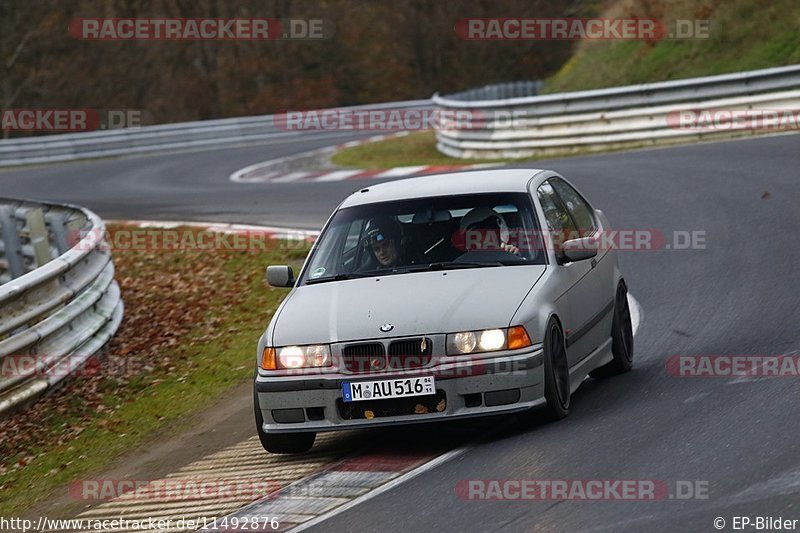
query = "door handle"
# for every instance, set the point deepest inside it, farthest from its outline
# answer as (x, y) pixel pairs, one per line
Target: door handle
(594, 262)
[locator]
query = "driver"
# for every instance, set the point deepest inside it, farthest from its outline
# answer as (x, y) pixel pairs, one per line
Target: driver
(486, 221)
(383, 238)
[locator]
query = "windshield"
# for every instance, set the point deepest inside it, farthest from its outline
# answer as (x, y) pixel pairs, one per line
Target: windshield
(466, 231)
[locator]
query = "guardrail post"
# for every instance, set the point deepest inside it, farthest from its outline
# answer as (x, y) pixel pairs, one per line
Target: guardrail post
(38, 234)
(13, 248)
(58, 226)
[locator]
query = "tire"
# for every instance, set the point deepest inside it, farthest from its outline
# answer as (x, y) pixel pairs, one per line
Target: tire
(621, 338)
(556, 379)
(281, 442)
(556, 373)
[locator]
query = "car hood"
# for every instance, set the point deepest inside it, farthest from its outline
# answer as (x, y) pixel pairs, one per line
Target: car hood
(414, 303)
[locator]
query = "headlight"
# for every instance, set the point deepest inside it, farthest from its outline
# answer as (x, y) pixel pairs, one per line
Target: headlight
(487, 340)
(492, 340)
(292, 357)
(464, 342)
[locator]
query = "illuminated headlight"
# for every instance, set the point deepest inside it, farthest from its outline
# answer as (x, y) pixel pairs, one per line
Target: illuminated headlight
(291, 357)
(487, 340)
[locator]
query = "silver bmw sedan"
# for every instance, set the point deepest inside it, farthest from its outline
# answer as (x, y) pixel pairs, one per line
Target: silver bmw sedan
(446, 296)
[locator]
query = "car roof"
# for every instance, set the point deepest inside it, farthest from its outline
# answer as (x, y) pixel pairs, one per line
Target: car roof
(471, 182)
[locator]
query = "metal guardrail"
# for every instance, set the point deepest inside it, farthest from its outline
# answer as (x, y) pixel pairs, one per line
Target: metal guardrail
(618, 117)
(59, 303)
(498, 91)
(207, 134)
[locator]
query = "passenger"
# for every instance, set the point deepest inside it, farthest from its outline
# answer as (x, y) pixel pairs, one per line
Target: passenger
(488, 228)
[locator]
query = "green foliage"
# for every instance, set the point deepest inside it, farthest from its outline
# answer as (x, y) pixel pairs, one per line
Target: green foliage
(743, 35)
(410, 150)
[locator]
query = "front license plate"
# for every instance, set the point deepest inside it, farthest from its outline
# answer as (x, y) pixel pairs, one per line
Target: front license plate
(387, 388)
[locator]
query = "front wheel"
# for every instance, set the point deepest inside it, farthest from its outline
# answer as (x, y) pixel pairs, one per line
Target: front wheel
(281, 442)
(556, 373)
(621, 338)
(556, 379)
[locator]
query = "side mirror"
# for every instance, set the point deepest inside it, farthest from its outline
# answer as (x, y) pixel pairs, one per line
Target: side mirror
(579, 249)
(280, 276)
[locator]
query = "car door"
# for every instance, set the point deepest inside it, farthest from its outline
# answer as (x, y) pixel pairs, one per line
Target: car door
(583, 292)
(602, 273)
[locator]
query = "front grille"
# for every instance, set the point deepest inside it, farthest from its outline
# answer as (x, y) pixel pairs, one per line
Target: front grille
(409, 353)
(364, 357)
(415, 405)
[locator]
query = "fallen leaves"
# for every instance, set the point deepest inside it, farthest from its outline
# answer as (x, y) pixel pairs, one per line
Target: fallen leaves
(167, 294)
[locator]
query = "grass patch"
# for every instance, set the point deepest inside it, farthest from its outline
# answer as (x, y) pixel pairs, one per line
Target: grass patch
(191, 323)
(743, 35)
(409, 150)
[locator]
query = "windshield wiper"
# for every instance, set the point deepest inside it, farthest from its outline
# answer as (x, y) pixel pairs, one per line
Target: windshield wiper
(448, 265)
(445, 265)
(337, 277)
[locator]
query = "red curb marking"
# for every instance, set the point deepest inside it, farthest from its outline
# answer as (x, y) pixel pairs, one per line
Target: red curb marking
(381, 463)
(441, 168)
(367, 174)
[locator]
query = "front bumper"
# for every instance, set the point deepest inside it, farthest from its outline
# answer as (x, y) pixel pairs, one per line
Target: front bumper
(503, 384)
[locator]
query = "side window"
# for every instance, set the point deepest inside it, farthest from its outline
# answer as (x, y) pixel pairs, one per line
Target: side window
(558, 218)
(350, 251)
(577, 207)
(353, 235)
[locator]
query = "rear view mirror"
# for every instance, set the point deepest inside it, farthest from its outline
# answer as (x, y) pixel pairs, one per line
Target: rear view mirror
(280, 276)
(431, 216)
(579, 249)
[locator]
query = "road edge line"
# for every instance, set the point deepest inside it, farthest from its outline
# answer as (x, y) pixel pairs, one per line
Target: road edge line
(430, 465)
